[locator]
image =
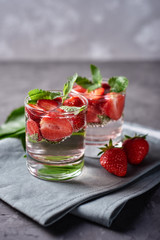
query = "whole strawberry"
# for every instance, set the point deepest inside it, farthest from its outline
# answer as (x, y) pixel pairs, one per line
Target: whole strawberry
(114, 160)
(136, 148)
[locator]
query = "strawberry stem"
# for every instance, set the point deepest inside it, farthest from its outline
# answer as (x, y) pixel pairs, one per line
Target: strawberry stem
(135, 136)
(106, 147)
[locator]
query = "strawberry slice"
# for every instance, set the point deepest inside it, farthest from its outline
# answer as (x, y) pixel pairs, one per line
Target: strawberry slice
(54, 128)
(80, 89)
(78, 122)
(47, 104)
(113, 108)
(34, 112)
(92, 116)
(96, 94)
(106, 87)
(33, 128)
(96, 105)
(73, 101)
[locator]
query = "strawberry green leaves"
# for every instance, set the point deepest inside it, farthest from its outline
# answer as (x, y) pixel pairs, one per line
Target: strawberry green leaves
(88, 84)
(118, 84)
(68, 86)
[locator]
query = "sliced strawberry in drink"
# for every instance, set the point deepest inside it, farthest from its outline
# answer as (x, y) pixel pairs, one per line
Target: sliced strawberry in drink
(73, 101)
(33, 128)
(92, 116)
(47, 104)
(96, 94)
(114, 105)
(58, 100)
(34, 112)
(80, 89)
(54, 128)
(78, 121)
(106, 87)
(96, 105)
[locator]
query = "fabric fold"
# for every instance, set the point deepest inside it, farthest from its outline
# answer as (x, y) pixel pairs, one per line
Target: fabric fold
(95, 195)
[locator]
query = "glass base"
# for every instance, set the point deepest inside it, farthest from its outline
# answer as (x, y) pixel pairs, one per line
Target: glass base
(92, 148)
(54, 172)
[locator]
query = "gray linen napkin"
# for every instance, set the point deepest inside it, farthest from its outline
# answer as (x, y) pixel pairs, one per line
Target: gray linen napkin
(95, 195)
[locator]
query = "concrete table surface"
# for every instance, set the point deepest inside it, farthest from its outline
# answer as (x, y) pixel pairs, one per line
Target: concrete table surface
(140, 218)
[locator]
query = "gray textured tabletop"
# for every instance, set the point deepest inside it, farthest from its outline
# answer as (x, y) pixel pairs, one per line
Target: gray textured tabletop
(140, 218)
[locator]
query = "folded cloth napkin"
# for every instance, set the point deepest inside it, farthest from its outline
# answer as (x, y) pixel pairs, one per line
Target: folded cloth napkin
(95, 195)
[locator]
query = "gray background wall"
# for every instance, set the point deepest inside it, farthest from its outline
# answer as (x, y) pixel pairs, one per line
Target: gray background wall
(79, 29)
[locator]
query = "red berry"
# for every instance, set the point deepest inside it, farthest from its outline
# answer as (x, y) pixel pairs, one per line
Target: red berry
(79, 89)
(47, 104)
(136, 149)
(96, 94)
(92, 116)
(33, 128)
(73, 101)
(34, 112)
(54, 128)
(114, 160)
(114, 105)
(78, 121)
(106, 87)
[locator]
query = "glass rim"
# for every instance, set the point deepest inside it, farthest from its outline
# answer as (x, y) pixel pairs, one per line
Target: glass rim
(84, 99)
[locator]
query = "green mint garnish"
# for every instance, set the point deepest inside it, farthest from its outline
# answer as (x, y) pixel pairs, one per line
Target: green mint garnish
(96, 79)
(118, 84)
(37, 94)
(68, 86)
(14, 125)
(104, 119)
(33, 138)
(96, 75)
(84, 82)
(75, 110)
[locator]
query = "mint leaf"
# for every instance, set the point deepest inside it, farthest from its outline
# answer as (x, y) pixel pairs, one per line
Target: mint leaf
(68, 86)
(75, 110)
(14, 126)
(33, 138)
(93, 87)
(14, 123)
(118, 84)
(37, 94)
(84, 82)
(88, 84)
(96, 75)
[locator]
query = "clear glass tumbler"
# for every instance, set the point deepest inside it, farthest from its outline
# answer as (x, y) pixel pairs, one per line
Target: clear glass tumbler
(55, 141)
(104, 118)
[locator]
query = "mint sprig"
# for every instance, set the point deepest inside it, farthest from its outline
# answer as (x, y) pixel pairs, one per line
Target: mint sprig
(96, 79)
(37, 94)
(68, 86)
(118, 84)
(96, 75)
(74, 110)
